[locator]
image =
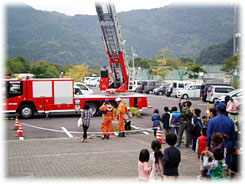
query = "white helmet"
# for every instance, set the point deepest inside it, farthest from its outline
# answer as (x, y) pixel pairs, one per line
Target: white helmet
(118, 99)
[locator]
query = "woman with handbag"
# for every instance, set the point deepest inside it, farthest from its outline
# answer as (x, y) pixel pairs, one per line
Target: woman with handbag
(86, 115)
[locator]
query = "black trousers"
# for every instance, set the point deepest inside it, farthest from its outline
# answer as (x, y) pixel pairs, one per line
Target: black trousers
(85, 129)
(155, 132)
(127, 125)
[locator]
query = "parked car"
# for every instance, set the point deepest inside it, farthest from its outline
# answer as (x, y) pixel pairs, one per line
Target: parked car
(150, 85)
(160, 90)
(141, 87)
(84, 89)
(190, 91)
(94, 82)
(235, 94)
(86, 80)
(169, 90)
(214, 92)
(204, 88)
(178, 86)
(136, 84)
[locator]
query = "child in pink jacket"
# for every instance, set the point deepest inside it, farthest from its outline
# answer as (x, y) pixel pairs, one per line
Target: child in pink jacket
(143, 169)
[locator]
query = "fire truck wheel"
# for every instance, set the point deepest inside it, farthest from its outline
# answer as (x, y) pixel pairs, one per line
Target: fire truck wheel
(94, 108)
(26, 111)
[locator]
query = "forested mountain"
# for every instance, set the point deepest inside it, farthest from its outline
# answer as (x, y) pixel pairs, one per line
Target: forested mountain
(58, 38)
(216, 53)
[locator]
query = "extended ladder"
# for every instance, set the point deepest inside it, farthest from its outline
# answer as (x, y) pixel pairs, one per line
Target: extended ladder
(114, 48)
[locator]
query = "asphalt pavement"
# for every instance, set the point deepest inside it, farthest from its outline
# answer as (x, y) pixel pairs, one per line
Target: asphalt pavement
(48, 152)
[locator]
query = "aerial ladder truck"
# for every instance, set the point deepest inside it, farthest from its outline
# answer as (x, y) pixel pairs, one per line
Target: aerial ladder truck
(115, 50)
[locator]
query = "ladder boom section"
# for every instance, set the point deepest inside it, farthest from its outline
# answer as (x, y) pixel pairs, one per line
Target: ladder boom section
(113, 45)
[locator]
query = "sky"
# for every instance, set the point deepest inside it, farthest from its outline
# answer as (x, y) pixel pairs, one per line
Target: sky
(73, 7)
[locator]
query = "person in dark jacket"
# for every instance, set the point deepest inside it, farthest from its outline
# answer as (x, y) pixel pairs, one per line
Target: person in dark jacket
(174, 119)
(165, 121)
(155, 118)
(196, 127)
(224, 125)
(185, 122)
(171, 158)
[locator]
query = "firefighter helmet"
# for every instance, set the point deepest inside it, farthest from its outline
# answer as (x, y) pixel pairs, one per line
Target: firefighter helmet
(118, 99)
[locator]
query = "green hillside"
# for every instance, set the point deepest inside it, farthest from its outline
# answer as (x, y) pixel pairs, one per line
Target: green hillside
(58, 38)
(216, 53)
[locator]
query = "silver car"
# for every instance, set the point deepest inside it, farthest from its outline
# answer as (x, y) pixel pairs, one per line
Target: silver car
(235, 94)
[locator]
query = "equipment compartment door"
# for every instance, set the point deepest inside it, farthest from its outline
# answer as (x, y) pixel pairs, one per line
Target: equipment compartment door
(63, 92)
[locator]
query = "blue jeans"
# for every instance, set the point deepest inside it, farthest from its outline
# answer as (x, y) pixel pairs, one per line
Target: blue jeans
(173, 130)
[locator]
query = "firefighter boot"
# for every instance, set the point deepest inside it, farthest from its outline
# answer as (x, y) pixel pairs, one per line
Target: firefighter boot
(107, 137)
(123, 134)
(120, 134)
(103, 137)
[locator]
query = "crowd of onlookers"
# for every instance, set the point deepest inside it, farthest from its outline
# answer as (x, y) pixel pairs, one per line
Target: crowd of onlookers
(215, 138)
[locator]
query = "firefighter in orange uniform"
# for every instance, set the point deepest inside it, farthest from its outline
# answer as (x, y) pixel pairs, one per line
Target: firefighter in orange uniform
(122, 110)
(108, 117)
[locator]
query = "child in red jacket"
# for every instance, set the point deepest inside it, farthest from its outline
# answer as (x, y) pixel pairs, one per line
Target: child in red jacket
(200, 148)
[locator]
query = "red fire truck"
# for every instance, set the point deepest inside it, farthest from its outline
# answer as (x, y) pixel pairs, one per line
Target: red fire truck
(29, 96)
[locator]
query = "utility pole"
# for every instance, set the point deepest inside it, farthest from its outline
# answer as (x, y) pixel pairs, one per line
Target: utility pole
(133, 54)
(234, 31)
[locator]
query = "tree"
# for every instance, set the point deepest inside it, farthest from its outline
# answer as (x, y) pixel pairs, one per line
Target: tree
(77, 73)
(95, 70)
(230, 66)
(185, 60)
(136, 61)
(193, 70)
(43, 70)
(52, 72)
(66, 67)
(17, 65)
(163, 65)
(160, 67)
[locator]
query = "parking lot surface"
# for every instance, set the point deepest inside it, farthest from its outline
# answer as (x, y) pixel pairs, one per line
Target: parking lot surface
(48, 152)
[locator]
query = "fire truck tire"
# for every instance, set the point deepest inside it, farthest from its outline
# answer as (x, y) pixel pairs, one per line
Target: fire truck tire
(94, 108)
(26, 111)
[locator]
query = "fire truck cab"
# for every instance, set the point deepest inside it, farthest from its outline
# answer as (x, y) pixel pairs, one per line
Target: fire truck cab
(29, 96)
(39, 95)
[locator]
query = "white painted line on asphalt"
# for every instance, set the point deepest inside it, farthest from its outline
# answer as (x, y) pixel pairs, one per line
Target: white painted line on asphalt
(21, 138)
(135, 127)
(145, 132)
(67, 132)
(40, 128)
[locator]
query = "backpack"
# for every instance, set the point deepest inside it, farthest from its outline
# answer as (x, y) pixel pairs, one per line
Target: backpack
(175, 120)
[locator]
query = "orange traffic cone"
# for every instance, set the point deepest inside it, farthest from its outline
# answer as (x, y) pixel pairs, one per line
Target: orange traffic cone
(20, 133)
(16, 125)
(158, 137)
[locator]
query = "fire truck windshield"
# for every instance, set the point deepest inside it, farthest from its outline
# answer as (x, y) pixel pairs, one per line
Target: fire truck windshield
(13, 88)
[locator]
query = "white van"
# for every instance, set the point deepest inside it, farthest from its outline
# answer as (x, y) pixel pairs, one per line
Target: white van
(190, 91)
(214, 92)
(178, 86)
(136, 84)
(87, 79)
(95, 82)
(84, 89)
